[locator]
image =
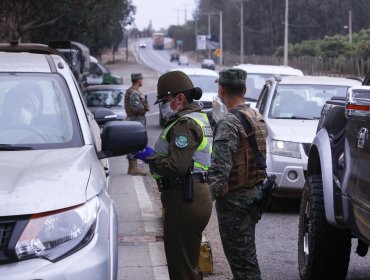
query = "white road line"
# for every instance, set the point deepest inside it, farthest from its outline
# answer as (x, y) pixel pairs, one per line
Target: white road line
(158, 259)
(146, 206)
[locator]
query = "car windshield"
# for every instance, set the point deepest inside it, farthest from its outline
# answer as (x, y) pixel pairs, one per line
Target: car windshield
(104, 98)
(302, 101)
(206, 83)
(36, 111)
(255, 83)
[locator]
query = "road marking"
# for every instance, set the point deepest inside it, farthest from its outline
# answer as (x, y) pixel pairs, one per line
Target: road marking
(158, 259)
(145, 204)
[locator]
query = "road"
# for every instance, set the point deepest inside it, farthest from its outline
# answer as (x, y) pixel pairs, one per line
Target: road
(276, 232)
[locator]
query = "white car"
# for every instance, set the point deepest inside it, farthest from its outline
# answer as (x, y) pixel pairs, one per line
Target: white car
(57, 220)
(204, 79)
(183, 60)
(291, 107)
(142, 45)
(257, 74)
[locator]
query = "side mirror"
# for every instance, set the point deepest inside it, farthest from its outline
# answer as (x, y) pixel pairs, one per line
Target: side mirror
(104, 115)
(358, 102)
(122, 137)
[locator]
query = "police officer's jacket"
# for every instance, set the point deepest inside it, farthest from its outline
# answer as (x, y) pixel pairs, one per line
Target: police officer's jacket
(187, 138)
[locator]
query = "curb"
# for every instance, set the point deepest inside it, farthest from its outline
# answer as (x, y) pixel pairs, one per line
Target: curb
(205, 256)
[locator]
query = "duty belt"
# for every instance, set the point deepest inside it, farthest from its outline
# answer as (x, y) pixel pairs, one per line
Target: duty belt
(179, 182)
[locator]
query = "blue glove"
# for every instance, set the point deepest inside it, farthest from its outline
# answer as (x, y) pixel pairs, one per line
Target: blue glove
(147, 152)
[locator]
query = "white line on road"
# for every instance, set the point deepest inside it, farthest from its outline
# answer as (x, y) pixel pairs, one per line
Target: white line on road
(143, 197)
(158, 259)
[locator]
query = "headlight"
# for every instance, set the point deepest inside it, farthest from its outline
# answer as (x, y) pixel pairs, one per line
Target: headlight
(284, 148)
(52, 235)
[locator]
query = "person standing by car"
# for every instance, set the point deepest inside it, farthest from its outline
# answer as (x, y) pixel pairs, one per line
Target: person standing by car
(234, 179)
(136, 105)
(180, 164)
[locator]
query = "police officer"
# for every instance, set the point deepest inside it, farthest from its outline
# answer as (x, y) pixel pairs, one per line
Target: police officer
(136, 105)
(180, 165)
(235, 180)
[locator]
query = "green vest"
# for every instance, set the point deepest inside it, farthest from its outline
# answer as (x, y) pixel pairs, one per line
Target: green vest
(202, 155)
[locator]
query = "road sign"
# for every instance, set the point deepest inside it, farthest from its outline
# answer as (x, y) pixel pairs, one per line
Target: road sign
(201, 42)
(217, 52)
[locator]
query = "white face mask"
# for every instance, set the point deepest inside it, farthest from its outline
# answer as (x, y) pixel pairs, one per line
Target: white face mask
(219, 109)
(22, 116)
(167, 111)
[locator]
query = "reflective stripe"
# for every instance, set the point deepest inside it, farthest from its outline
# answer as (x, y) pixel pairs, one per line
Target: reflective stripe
(202, 155)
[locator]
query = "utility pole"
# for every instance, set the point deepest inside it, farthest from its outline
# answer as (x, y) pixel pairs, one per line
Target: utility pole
(221, 46)
(286, 29)
(209, 34)
(350, 26)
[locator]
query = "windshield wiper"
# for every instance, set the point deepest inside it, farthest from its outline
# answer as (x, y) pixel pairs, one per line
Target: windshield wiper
(9, 147)
(296, 118)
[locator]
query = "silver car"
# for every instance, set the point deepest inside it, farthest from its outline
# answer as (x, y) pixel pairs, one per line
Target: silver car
(57, 220)
(291, 107)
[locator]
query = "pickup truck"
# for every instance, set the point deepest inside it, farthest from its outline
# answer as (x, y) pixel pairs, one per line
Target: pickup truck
(335, 204)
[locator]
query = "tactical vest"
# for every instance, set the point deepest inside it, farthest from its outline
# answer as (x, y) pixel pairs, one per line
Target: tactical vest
(244, 173)
(128, 108)
(202, 155)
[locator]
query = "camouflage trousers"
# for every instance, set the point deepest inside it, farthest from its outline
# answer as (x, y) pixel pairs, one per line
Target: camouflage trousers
(237, 217)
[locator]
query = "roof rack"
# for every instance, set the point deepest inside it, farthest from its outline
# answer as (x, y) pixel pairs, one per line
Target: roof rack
(15, 46)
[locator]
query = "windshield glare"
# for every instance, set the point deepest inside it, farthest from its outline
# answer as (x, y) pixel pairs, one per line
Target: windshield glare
(104, 98)
(35, 110)
(206, 83)
(302, 101)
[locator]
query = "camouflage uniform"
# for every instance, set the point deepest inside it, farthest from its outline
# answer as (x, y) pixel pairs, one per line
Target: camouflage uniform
(236, 211)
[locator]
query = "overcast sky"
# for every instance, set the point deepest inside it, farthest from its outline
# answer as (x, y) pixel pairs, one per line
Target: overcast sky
(162, 13)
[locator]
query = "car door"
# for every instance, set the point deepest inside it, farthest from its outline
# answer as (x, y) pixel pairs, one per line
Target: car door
(357, 134)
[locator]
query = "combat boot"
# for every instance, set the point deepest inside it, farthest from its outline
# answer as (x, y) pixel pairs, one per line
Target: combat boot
(133, 169)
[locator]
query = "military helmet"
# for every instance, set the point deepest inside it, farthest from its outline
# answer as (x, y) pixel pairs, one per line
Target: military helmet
(172, 83)
(232, 76)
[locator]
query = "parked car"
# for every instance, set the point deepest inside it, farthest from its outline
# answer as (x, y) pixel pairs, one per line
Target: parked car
(183, 60)
(57, 220)
(205, 79)
(100, 74)
(174, 57)
(335, 202)
(208, 64)
(106, 96)
(291, 107)
(257, 74)
(142, 45)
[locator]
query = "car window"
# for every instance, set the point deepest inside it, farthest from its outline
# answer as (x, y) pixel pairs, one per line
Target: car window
(206, 83)
(302, 101)
(104, 98)
(261, 103)
(36, 110)
(255, 84)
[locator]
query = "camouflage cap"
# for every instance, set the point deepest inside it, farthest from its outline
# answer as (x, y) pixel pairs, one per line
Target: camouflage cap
(232, 76)
(136, 76)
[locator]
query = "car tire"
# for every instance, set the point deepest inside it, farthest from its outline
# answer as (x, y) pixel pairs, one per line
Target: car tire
(323, 250)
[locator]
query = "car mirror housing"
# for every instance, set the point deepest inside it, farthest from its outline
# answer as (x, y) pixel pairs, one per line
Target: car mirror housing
(103, 115)
(122, 137)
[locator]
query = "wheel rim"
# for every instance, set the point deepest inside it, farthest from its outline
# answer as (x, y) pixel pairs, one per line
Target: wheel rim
(306, 233)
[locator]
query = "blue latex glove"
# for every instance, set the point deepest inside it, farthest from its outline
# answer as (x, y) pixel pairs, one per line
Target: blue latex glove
(147, 152)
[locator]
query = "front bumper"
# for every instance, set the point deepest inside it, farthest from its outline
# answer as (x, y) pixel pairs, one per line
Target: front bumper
(97, 260)
(290, 174)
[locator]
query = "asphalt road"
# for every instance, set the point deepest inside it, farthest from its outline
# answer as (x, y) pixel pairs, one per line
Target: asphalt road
(276, 233)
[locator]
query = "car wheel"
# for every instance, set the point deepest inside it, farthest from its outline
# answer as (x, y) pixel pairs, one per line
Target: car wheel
(323, 250)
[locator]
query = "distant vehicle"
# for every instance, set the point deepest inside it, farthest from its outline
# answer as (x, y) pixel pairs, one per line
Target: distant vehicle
(335, 202)
(183, 60)
(100, 74)
(204, 79)
(291, 107)
(174, 57)
(142, 45)
(158, 41)
(208, 64)
(106, 96)
(56, 214)
(257, 74)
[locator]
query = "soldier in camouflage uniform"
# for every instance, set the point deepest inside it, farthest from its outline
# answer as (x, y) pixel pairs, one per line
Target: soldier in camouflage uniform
(136, 105)
(235, 181)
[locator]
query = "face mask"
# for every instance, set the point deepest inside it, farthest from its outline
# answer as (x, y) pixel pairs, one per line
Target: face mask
(219, 109)
(22, 116)
(167, 111)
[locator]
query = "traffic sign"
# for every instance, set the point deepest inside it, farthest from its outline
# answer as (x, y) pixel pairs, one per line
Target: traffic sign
(217, 52)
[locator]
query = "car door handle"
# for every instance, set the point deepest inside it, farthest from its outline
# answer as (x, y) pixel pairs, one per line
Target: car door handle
(362, 136)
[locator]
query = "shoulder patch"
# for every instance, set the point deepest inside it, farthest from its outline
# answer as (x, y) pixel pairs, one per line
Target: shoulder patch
(181, 141)
(207, 130)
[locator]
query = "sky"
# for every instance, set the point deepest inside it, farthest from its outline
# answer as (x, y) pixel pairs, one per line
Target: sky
(162, 13)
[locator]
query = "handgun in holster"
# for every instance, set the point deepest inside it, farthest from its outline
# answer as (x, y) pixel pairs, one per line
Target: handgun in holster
(162, 184)
(189, 185)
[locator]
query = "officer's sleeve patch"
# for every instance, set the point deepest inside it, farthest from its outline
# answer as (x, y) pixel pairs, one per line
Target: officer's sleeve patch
(181, 141)
(207, 130)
